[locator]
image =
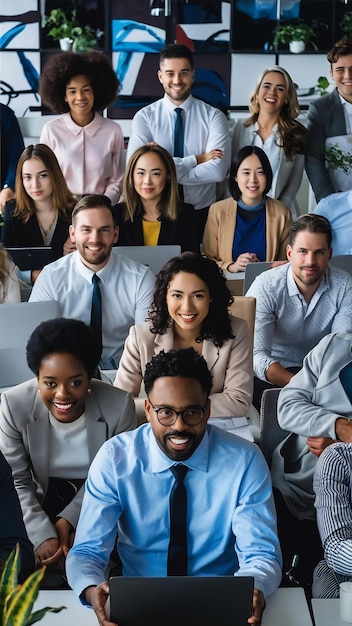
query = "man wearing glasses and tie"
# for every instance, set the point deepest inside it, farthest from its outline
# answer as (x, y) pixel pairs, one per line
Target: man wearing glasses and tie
(185, 498)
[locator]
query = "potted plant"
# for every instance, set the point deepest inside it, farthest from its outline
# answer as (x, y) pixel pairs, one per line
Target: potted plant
(68, 31)
(346, 26)
(16, 601)
(297, 34)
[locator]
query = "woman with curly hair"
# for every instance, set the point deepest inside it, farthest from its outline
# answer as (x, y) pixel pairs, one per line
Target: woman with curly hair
(152, 212)
(52, 426)
(88, 146)
(40, 213)
(190, 309)
(9, 286)
(274, 128)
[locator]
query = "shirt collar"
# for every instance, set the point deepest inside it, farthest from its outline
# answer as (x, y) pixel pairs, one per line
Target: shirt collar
(293, 289)
(91, 128)
(347, 105)
(161, 462)
(171, 106)
(87, 273)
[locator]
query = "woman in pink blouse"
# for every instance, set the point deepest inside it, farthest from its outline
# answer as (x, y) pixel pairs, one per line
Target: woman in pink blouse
(89, 147)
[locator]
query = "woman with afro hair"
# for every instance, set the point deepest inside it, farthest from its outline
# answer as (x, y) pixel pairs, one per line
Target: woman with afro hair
(89, 147)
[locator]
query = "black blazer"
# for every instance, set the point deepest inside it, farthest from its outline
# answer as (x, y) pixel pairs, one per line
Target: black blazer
(180, 232)
(16, 233)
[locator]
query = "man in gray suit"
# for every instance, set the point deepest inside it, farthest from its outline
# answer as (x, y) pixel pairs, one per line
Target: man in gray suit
(330, 116)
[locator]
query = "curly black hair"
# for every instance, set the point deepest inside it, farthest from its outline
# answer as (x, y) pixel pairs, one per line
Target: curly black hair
(64, 336)
(59, 70)
(217, 324)
(184, 363)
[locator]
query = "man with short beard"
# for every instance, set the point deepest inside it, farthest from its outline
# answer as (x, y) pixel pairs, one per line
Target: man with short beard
(126, 287)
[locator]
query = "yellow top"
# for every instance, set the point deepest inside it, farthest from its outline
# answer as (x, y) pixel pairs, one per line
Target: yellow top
(151, 232)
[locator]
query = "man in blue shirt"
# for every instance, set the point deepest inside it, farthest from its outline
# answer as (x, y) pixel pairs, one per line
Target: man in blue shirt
(231, 521)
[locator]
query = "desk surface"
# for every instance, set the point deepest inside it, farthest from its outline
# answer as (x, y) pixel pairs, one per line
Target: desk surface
(327, 612)
(285, 606)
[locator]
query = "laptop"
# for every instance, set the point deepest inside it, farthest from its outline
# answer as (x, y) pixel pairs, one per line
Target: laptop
(153, 256)
(186, 600)
(31, 258)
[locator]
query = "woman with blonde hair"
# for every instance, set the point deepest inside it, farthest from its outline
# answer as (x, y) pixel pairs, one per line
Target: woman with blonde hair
(152, 212)
(40, 213)
(9, 285)
(274, 128)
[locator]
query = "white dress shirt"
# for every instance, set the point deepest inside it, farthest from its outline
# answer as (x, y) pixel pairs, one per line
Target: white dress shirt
(126, 290)
(205, 128)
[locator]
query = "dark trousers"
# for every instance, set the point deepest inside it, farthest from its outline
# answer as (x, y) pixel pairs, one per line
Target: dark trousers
(297, 537)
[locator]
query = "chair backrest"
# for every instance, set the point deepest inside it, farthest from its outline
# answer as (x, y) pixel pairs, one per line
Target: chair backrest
(270, 432)
(153, 256)
(244, 307)
(17, 322)
(343, 262)
(252, 271)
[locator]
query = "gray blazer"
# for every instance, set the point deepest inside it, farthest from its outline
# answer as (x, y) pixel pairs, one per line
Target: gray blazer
(24, 433)
(326, 118)
(290, 173)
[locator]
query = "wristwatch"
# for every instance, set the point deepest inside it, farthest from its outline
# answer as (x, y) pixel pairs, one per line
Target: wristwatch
(6, 186)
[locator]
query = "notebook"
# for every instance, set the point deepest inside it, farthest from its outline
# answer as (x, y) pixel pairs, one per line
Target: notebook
(31, 258)
(153, 256)
(186, 600)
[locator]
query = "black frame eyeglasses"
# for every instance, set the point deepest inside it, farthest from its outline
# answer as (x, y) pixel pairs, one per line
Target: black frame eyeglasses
(192, 415)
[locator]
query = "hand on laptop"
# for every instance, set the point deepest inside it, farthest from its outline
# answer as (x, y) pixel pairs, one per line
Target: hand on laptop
(97, 597)
(258, 608)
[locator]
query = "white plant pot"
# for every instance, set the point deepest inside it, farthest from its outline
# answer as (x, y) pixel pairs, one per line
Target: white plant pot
(66, 44)
(297, 47)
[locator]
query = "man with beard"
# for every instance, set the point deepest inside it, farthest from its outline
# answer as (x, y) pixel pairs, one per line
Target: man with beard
(126, 287)
(229, 517)
(297, 304)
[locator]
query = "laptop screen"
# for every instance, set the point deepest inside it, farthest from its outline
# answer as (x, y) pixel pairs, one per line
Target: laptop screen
(31, 258)
(181, 600)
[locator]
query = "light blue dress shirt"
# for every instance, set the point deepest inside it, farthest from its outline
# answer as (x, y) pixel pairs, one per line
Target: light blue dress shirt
(126, 290)
(205, 128)
(286, 326)
(231, 517)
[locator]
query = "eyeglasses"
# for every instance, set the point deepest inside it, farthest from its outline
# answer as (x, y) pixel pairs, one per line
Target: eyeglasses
(191, 416)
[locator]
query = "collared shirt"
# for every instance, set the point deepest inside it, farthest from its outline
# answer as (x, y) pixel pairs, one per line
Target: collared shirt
(205, 128)
(333, 489)
(126, 289)
(347, 111)
(286, 326)
(272, 151)
(231, 526)
(91, 157)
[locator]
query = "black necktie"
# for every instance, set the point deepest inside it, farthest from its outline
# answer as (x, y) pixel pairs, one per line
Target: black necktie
(96, 312)
(178, 134)
(177, 553)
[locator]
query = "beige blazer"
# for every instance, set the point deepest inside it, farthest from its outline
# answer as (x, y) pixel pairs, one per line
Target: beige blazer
(220, 228)
(24, 434)
(230, 366)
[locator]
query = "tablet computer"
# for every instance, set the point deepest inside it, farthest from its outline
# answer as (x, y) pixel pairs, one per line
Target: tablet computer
(31, 258)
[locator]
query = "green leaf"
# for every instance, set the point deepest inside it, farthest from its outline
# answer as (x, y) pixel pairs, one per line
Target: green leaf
(9, 579)
(20, 604)
(38, 615)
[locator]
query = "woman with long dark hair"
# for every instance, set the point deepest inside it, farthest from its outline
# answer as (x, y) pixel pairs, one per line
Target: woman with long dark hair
(190, 309)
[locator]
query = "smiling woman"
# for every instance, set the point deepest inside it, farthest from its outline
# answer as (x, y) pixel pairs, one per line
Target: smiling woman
(89, 147)
(190, 309)
(152, 212)
(43, 422)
